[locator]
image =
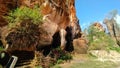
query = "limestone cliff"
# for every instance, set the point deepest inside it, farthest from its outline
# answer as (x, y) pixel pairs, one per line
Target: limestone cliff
(60, 26)
(59, 22)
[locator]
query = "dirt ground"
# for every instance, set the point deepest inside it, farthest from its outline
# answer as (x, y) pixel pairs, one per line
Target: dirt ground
(86, 61)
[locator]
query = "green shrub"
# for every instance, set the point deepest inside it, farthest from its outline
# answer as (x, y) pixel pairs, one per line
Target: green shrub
(115, 48)
(1, 48)
(24, 30)
(59, 61)
(18, 15)
(99, 40)
(60, 55)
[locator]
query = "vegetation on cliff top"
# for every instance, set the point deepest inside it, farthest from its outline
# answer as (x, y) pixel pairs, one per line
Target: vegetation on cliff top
(25, 31)
(18, 15)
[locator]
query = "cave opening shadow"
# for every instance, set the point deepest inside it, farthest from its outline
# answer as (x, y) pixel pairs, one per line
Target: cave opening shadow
(56, 40)
(69, 45)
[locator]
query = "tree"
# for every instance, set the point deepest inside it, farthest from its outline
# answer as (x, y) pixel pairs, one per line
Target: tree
(98, 40)
(112, 14)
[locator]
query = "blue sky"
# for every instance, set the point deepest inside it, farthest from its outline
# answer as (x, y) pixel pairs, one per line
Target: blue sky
(94, 10)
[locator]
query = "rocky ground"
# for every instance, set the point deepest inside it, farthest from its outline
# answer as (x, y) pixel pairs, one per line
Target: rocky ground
(88, 61)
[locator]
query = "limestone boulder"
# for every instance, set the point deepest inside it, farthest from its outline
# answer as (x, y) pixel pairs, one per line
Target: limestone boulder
(80, 45)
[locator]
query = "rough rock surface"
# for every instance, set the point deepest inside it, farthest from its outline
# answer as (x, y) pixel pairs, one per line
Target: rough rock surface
(5, 7)
(103, 55)
(80, 45)
(98, 26)
(60, 27)
(60, 18)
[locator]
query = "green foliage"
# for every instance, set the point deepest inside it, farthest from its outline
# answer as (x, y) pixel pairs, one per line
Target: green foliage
(1, 66)
(57, 66)
(99, 40)
(115, 48)
(1, 48)
(20, 14)
(59, 61)
(60, 55)
(24, 30)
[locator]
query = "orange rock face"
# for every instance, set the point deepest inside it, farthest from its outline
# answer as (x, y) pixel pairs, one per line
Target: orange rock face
(59, 16)
(98, 26)
(5, 7)
(60, 27)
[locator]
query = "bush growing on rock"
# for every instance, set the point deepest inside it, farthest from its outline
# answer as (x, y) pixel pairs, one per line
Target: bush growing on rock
(23, 13)
(25, 31)
(60, 56)
(99, 40)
